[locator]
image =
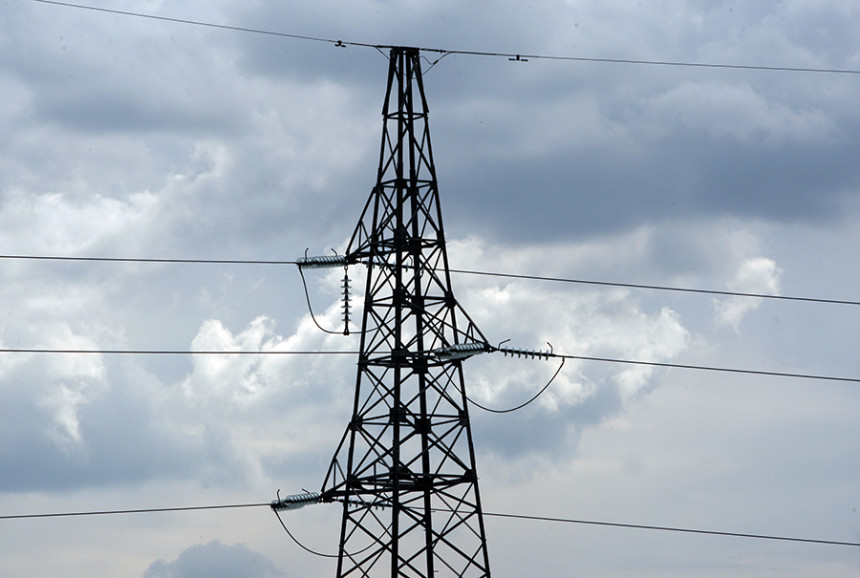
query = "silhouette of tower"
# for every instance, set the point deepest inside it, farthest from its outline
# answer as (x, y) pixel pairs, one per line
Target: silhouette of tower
(405, 467)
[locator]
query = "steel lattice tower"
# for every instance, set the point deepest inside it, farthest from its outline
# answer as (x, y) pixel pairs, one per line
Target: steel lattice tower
(405, 467)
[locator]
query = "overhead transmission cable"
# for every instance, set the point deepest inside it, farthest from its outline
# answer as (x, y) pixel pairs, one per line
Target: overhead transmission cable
(445, 52)
(708, 368)
(130, 511)
(300, 544)
(346, 352)
(525, 403)
(718, 292)
(204, 24)
(519, 57)
(147, 260)
(672, 529)
(311, 550)
(311, 309)
(491, 514)
(177, 351)
(723, 293)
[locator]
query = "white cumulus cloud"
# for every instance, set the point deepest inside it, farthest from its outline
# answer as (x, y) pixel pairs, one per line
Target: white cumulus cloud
(758, 275)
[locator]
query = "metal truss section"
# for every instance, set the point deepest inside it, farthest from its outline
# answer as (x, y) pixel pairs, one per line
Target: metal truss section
(405, 467)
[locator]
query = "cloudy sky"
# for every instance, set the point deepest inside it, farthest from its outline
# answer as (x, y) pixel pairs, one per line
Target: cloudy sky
(137, 138)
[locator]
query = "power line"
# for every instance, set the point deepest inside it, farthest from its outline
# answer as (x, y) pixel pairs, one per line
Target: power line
(145, 260)
(311, 550)
(345, 352)
(523, 404)
(707, 368)
(444, 52)
(518, 57)
(722, 293)
(131, 511)
(657, 287)
(492, 514)
(311, 309)
(204, 24)
(673, 529)
(300, 544)
(176, 352)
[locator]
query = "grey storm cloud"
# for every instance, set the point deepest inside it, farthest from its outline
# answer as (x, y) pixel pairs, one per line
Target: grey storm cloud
(215, 560)
(133, 137)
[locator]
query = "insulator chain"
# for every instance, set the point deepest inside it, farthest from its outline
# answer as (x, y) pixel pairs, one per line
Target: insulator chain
(321, 261)
(528, 353)
(460, 351)
(296, 501)
(345, 300)
(466, 350)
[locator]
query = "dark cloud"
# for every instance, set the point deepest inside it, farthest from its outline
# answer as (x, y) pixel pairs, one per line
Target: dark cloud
(215, 560)
(116, 437)
(571, 197)
(131, 137)
(551, 435)
(616, 149)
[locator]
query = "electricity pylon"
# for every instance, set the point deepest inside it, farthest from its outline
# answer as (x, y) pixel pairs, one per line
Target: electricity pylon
(405, 467)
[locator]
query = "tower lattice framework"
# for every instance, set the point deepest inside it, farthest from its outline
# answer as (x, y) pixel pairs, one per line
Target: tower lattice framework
(405, 467)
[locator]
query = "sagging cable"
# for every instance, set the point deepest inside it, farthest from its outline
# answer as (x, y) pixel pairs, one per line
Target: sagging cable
(524, 404)
(320, 262)
(296, 501)
(299, 544)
